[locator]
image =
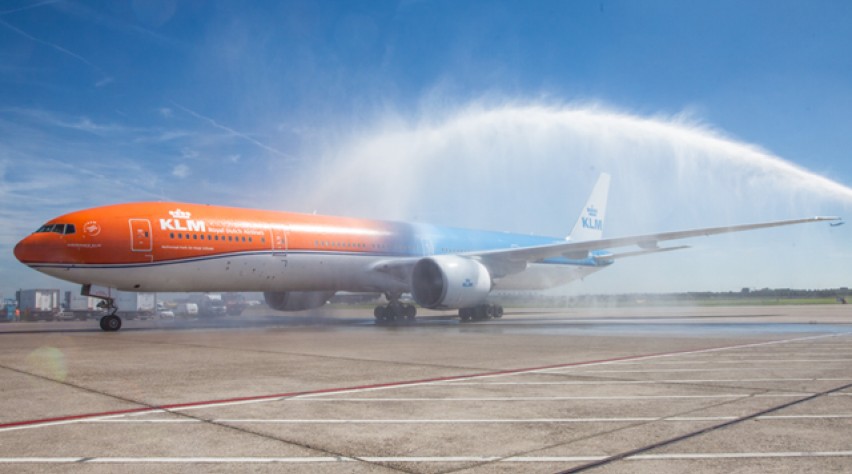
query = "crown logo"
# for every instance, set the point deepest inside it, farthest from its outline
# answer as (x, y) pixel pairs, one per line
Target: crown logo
(178, 214)
(592, 211)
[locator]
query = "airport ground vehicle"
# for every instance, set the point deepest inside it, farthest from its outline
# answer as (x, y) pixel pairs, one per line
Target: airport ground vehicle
(186, 310)
(235, 303)
(7, 310)
(135, 305)
(39, 304)
(210, 305)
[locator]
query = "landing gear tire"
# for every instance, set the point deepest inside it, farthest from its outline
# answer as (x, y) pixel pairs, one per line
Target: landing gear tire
(395, 311)
(110, 323)
(482, 312)
(410, 312)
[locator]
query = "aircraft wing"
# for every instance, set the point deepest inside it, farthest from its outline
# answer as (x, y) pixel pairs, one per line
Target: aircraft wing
(645, 242)
(504, 262)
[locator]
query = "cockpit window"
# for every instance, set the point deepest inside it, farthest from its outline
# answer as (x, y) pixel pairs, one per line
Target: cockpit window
(58, 228)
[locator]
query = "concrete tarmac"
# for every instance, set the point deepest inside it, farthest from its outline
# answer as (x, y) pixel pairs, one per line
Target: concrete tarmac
(734, 389)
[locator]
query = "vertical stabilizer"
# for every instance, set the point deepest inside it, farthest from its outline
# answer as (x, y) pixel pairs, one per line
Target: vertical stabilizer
(590, 224)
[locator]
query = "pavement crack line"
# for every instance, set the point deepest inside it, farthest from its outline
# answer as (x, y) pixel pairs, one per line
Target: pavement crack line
(693, 434)
(418, 364)
(201, 419)
(611, 431)
(177, 409)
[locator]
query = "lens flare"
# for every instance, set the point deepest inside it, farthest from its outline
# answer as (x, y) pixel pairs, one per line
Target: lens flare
(49, 362)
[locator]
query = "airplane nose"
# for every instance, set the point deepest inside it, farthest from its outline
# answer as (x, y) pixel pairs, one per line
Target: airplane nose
(25, 251)
(21, 251)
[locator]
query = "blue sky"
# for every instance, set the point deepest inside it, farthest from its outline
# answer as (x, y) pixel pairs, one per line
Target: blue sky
(239, 103)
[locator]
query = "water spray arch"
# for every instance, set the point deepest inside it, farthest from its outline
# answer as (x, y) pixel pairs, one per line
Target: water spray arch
(525, 167)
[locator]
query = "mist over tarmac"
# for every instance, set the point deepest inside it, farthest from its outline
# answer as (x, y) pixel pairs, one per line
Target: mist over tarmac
(528, 166)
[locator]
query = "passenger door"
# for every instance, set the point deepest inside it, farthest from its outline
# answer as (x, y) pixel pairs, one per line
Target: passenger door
(140, 235)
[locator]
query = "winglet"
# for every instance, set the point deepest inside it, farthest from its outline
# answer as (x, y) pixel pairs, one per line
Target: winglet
(590, 224)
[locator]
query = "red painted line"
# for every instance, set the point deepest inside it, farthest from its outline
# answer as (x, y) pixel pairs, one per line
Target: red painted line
(175, 406)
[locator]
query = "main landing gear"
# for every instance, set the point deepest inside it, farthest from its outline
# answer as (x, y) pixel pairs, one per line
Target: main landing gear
(395, 311)
(482, 312)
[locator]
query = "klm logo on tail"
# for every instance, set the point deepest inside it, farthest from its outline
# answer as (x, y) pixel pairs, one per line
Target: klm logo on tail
(590, 221)
(589, 226)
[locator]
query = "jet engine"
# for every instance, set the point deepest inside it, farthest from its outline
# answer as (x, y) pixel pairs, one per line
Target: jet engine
(296, 300)
(449, 282)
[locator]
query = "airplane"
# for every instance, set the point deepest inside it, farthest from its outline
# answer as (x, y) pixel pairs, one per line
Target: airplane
(299, 261)
(837, 224)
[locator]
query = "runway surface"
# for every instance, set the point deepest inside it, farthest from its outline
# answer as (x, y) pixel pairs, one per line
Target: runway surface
(751, 389)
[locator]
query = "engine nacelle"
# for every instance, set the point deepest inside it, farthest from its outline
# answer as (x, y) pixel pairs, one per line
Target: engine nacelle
(296, 300)
(449, 282)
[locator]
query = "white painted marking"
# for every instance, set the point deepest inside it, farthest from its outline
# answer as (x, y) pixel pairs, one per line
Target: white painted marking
(417, 459)
(800, 454)
(740, 361)
(222, 460)
(427, 459)
(204, 405)
(437, 422)
(142, 422)
(802, 417)
(555, 398)
(561, 398)
(650, 371)
(470, 421)
(654, 382)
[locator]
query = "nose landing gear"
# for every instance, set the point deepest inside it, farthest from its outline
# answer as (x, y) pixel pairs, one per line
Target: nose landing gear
(110, 322)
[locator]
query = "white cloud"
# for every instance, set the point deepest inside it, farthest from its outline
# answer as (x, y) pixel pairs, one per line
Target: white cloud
(105, 81)
(188, 153)
(181, 171)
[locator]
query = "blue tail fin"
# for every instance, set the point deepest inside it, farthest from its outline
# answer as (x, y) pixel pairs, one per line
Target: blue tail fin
(590, 224)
